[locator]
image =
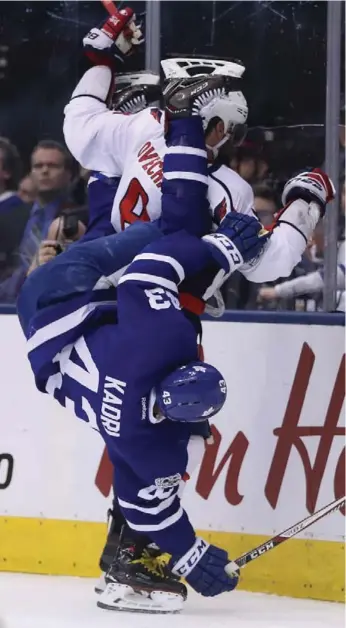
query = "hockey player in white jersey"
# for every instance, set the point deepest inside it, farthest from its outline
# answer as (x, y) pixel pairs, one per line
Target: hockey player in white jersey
(133, 147)
(134, 91)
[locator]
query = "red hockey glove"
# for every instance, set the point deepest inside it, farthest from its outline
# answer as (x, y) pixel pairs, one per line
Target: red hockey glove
(114, 40)
(314, 186)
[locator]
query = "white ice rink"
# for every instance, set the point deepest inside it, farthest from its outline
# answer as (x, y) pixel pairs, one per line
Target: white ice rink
(53, 602)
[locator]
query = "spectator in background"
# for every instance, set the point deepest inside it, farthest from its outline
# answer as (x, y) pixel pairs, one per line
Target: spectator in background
(62, 232)
(13, 211)
(27, 189)
(252, 158)
(52, 174)
(310, 284)
(315, 251)
(10, 170)
(265, 204)
(245, 162)
(263, 168)
(304, 288)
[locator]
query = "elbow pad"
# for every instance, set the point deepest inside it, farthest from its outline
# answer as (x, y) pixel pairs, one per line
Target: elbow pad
(301, 216)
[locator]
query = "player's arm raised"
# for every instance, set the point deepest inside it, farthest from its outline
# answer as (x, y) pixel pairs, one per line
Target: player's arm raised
(97, 137)
(304, 198)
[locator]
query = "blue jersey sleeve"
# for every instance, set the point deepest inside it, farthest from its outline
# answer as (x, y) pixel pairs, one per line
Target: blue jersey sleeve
(185, 179)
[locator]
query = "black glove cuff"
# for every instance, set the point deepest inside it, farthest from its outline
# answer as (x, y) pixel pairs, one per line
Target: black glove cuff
(303, 194)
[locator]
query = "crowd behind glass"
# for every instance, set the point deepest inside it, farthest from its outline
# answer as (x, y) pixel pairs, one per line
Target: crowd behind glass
(43, 192)
(45, 208)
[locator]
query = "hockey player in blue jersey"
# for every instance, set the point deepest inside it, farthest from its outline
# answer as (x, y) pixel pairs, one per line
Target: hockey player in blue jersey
(131, 386)
(140, 384)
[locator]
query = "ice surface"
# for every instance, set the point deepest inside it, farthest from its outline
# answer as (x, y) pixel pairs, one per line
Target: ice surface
(54, 602)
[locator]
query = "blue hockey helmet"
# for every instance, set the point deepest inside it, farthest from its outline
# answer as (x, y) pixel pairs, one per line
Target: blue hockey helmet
(194, 392)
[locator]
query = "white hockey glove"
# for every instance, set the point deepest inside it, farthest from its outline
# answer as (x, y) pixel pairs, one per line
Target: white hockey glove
(314, 186)
(115, 39)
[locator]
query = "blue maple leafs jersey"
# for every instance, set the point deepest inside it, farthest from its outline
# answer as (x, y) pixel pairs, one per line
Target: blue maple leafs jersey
(102, 358)
(103, 363)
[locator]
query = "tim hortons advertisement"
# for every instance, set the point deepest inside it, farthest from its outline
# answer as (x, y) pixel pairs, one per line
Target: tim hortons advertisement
(279, 443)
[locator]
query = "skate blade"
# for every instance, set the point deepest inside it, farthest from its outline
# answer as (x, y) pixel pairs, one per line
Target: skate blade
(121, 597)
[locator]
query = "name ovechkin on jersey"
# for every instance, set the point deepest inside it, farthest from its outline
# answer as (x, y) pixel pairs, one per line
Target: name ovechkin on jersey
(151, 163)
(110, 410)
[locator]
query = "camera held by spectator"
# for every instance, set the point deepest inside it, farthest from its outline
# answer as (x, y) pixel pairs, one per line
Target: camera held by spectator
(61, 234)
(52, 170)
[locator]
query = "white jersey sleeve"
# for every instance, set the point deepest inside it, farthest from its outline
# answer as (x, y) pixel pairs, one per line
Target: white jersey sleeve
(228, 191)
(98, 138)
(287, 243)
(282, 253)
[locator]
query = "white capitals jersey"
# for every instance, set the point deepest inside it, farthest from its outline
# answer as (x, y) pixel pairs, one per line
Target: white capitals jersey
(133, 146)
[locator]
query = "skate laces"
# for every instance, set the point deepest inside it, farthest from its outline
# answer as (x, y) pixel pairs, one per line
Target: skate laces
(157, 565)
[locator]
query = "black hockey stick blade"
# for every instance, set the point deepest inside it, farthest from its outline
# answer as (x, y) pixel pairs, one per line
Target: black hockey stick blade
(258, 551)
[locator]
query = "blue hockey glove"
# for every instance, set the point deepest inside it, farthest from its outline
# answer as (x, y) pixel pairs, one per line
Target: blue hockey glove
(239, 239)
(203, 568)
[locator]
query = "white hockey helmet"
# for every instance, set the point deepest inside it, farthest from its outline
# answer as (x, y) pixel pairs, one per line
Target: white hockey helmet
(228, 103)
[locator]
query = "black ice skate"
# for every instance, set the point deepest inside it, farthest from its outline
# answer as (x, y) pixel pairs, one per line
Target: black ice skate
(118, 528)
(142, 584)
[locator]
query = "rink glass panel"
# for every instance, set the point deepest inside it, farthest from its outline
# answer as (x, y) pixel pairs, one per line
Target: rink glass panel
(282, 44)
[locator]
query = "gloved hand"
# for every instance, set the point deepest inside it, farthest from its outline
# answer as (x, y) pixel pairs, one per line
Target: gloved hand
(314, 186)
(203, 568)
(115, 39)
(239, 238)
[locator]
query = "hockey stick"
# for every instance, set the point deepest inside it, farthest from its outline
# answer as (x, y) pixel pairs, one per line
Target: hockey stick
(258, 551)
(110, 7)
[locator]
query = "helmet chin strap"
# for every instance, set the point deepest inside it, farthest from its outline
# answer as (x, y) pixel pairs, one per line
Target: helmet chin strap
(215, 149)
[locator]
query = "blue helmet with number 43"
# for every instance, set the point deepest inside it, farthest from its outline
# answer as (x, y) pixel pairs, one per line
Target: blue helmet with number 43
(194, 392)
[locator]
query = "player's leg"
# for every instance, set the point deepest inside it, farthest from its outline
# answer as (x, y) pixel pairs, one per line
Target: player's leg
(136, 443)
(79, 269)
(200, 437)
(118, 527)
(116, 521)
(139, 578)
